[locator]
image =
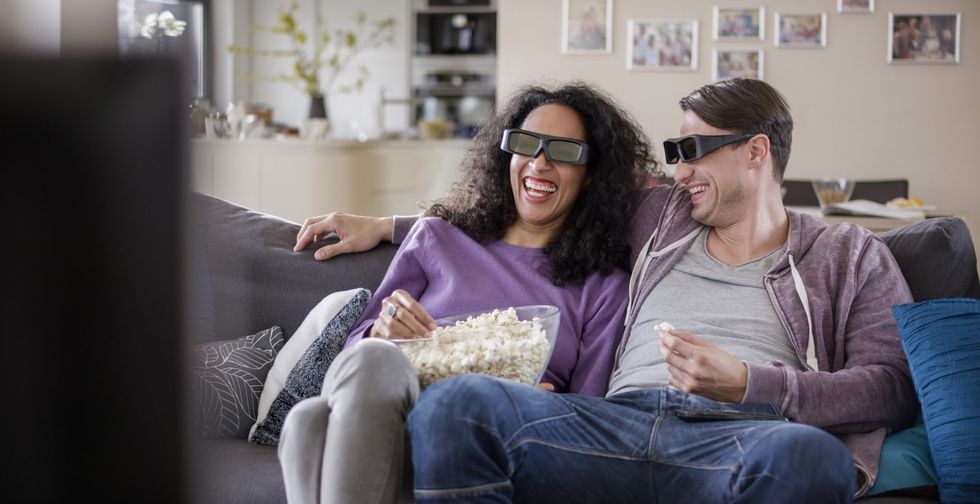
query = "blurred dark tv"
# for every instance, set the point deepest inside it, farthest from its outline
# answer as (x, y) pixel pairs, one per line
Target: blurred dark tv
(93, 179)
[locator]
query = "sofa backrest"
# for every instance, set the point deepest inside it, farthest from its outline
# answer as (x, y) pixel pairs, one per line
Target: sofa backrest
(242, 263)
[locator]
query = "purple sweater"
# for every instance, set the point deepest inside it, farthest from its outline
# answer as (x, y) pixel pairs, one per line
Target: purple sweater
(862, 390)
(449, 273)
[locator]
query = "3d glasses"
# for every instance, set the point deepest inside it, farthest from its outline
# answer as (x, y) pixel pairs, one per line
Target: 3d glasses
(691, 147)
(556, 149)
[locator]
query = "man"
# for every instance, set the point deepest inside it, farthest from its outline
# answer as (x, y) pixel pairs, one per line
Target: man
(784, 337)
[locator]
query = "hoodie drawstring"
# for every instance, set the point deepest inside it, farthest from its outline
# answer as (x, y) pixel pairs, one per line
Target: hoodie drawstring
(811, 348)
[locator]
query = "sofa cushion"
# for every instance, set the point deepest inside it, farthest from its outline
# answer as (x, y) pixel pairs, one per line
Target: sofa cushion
(227, 381)
(941, 339)
(905, 461)
(305, 379)
(936, 257)
(232, 470)
(258, 281)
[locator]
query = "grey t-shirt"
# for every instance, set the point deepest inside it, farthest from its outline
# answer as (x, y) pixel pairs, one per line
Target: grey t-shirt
(726, 305)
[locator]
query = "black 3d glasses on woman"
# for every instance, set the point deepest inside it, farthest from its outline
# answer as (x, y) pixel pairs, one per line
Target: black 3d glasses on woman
(691, 147)
(556, 149)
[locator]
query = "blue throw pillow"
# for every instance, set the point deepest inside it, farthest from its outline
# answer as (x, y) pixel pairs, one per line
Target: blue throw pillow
(905, 461)
(942, 343)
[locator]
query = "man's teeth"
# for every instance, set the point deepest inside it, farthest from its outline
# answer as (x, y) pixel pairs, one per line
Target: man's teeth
(541, 188)
(697, 189)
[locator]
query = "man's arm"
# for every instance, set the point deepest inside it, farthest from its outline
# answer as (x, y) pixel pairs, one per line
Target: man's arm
(869, 385)
(357, 233)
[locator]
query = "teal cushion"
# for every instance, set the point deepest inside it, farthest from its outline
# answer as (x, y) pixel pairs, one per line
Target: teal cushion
(905, 461)
(941, 339)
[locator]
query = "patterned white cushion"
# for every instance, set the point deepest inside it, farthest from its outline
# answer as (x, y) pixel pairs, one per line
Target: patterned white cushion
(301, 365)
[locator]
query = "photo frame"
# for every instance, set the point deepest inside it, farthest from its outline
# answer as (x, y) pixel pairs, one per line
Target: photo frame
(586, 26)
(924, 38)
(742, 24)
(728, 63)
(855, 6)
(800, 30)
(662, 45)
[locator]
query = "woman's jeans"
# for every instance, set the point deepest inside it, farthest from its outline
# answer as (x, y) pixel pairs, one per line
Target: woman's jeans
(479, 439)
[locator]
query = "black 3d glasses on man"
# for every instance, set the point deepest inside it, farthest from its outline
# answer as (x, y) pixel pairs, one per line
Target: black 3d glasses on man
(691, 147)
(556, 149)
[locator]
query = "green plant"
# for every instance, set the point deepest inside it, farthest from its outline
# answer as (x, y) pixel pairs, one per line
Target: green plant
(332, 53)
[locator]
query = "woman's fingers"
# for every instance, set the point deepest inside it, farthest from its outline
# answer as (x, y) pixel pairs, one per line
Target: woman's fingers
(420, 319)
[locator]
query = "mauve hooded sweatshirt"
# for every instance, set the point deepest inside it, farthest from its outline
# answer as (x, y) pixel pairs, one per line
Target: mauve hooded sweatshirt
(840, 280)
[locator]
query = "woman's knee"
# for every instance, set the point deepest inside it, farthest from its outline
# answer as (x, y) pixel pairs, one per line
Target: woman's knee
(307, 418)
(372, 363)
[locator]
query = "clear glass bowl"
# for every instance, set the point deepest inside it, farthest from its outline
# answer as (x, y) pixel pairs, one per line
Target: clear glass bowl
(833, 190)
(549, 317)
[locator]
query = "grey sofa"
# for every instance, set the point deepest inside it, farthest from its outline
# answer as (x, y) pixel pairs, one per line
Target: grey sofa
(247, 278)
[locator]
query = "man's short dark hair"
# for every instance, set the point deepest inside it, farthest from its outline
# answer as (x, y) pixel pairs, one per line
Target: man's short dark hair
(747, 106)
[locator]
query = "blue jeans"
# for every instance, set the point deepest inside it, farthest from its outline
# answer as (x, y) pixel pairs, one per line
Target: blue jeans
(478, 439)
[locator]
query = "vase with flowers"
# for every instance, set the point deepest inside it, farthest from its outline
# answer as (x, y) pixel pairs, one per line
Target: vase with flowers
(319, 60)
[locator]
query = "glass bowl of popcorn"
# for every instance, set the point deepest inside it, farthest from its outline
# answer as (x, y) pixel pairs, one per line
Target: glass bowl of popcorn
(512, 343)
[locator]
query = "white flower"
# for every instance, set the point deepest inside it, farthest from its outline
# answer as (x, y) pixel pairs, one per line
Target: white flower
(165, 21)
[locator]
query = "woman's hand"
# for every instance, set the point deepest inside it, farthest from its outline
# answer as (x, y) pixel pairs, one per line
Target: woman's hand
(357, 233)
(402, 317)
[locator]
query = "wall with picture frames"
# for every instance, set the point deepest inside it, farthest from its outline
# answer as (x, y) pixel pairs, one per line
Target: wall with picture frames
(856, 113)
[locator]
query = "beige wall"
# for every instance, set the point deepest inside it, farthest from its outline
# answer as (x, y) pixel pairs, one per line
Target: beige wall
(856, 115)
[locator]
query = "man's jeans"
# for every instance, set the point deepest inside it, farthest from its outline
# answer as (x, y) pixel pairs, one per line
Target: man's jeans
(479, 439)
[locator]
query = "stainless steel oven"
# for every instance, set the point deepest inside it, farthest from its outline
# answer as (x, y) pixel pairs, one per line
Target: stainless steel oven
(454, 66)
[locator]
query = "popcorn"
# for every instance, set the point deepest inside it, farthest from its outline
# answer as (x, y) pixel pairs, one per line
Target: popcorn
(664, 327)
(494, 343)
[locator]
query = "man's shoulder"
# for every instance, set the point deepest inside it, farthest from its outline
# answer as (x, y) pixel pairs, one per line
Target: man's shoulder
(808, 232)
(667, 201)
(843, 248)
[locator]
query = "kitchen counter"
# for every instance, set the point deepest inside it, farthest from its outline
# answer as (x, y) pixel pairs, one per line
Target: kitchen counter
(295, 179)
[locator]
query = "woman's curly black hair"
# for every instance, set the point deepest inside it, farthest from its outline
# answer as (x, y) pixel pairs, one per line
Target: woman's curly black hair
(594, 236)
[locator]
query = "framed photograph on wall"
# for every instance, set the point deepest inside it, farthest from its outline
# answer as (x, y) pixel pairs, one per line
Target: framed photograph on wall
(923, 38)
(740, 24)
(855, 6)
(662, 44)
(586, 26)
(800, 30)
(730, 63)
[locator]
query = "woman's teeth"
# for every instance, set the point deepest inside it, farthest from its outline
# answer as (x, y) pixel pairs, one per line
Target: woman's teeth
(538, 189)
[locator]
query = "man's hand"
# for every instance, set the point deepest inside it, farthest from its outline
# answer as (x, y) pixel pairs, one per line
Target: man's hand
(357, 233)
(699, 367)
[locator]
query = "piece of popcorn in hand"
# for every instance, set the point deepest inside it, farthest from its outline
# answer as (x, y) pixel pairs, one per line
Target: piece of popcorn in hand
(664, 327)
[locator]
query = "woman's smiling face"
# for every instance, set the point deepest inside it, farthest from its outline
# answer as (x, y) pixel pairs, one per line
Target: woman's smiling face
(545, 191)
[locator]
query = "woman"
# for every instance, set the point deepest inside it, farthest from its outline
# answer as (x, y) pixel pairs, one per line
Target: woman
(539, 216)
